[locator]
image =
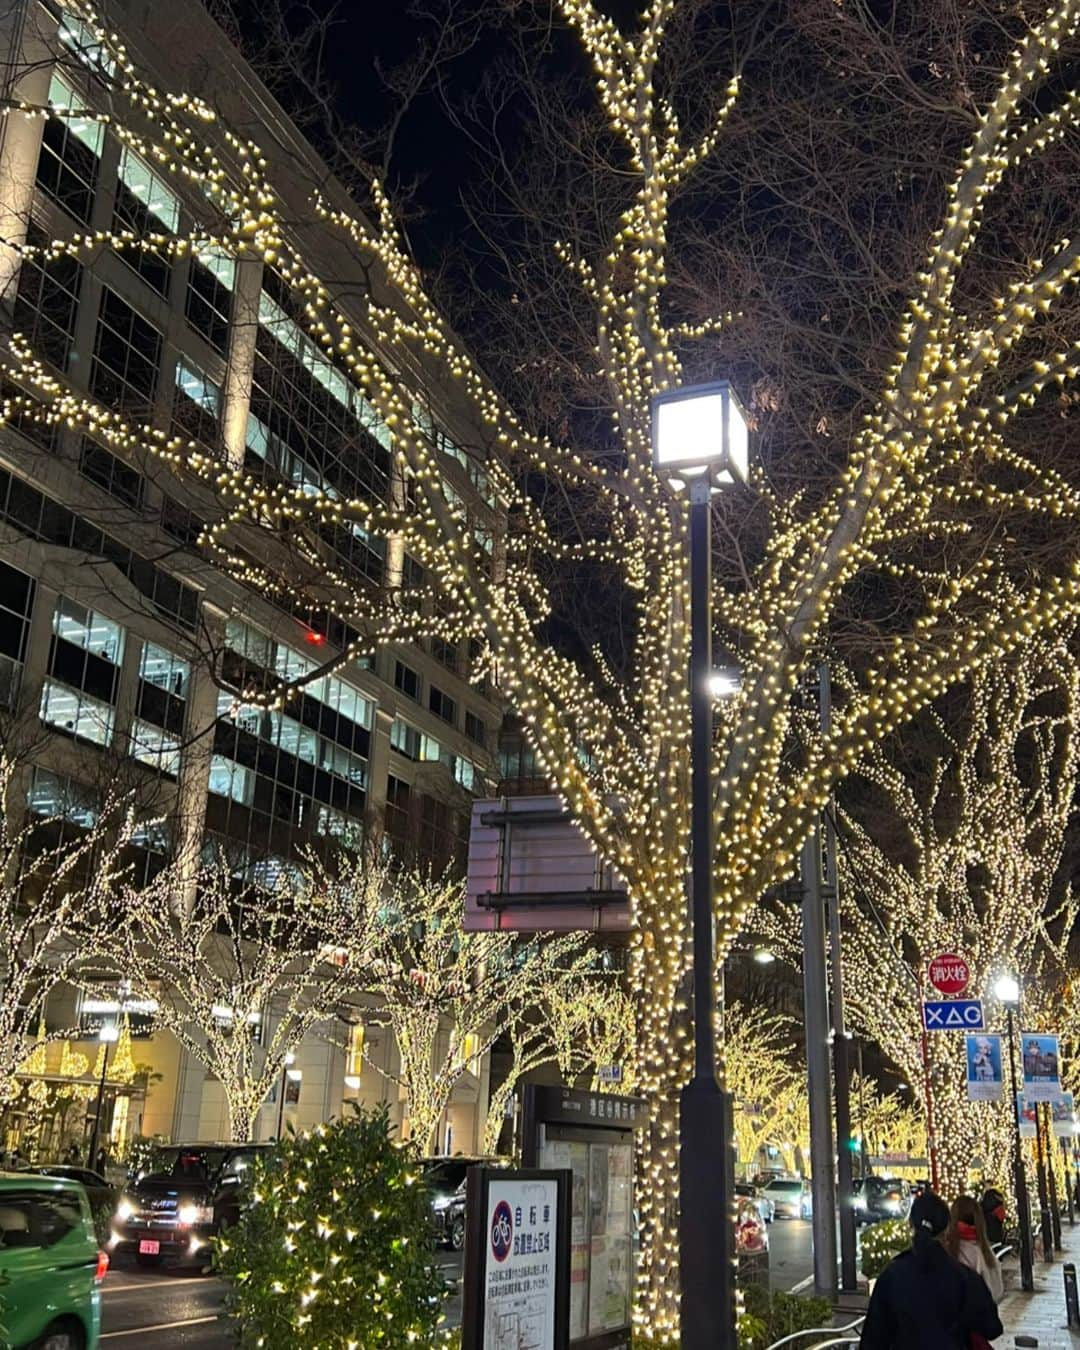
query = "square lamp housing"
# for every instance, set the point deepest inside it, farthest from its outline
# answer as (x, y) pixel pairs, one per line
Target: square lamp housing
(700, 429)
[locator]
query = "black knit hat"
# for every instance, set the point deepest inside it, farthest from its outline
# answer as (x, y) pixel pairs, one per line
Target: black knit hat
(929, 1214)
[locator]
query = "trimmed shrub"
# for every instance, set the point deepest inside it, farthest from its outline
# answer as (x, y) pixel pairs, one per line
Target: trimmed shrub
(333, 1245)
(881, 1242)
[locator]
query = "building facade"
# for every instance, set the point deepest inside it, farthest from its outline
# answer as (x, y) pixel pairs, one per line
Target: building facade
(123, 652)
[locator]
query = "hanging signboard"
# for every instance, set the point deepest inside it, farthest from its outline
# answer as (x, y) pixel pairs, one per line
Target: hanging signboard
(960, 1014)
(985, 1078)
(1061, 1112)
(949, 974)
(1026, 1111)
(517, 1260)
(1042, 1071)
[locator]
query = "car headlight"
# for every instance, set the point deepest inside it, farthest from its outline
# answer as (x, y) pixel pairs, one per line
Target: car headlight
(189, 1213)
(125, 1209)
(441, 1203)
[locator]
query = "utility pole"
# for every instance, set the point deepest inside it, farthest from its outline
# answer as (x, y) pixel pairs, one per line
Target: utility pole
(816, 1017)
(840, 1043)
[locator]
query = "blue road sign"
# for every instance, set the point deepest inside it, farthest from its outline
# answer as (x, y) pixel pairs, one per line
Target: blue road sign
(953, 1014)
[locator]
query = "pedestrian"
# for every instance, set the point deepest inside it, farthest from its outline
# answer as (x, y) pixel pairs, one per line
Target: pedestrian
(73, 1157)
(102, 1161)
(924, 1299)
(993, 1211)
(965, 1240)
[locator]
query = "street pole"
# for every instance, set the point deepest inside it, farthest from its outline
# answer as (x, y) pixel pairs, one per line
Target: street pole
(281, 1100)
(816, 1018)
(928, 1092)
(1048, 1158)
(91, 1161)
(1068, 1182)
(862, 1111)
(841, 1046)
(1023, 1209)
(706, 1153)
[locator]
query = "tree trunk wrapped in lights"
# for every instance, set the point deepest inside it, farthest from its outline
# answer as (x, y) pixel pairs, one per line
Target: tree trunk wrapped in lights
(242, 976)
(937, 461)
(61, 885)
(956, 847)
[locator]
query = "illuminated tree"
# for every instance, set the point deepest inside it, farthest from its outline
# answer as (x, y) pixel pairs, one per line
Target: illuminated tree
(60, 888)
(762, 1070)
(243, 975)
(935, 501)
(446, 994)
(583, 1023)
(886, 1122)
(957, 848)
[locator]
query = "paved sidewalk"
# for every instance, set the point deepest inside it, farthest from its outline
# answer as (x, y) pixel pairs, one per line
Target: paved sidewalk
(1041, 1315)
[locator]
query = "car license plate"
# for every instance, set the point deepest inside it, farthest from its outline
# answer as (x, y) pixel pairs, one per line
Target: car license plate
(149, 1247)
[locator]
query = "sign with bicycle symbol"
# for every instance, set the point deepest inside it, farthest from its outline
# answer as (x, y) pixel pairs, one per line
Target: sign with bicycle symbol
(517, 1259)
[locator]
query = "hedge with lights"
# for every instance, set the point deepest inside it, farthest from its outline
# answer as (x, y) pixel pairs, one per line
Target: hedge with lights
(881, 1242)
(934, 460)
(333, 1245)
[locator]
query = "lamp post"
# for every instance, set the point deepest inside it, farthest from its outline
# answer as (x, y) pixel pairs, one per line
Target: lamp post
(701, 444)
(287, 1071)
(108, 1034)
(1007, 993)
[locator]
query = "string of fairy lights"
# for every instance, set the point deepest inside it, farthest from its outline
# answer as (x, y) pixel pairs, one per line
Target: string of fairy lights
(615, 744)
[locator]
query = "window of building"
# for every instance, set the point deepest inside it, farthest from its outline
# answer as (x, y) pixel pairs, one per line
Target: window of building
(354, 1058)
(465, 772)
(151, 845)
(407, 680)
(79, 39)
(180, 523)
(127, 353)
(197, 405)
(47, 300)
(163, 688)
(442, 705)
(405, 739)
(209, 297)
(70, 151)
(413, 574)
(84, 670)
(474, 728)
(118, 479)
(77, 713)
(229, 779)
(145, 206)
(16, 608)
(446, 653)
(150, 745)
(61, 798)
(35, 514)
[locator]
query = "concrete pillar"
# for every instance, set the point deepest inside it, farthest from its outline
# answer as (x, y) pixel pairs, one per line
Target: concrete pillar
(240, 366)
(25, 33)
(193, 785)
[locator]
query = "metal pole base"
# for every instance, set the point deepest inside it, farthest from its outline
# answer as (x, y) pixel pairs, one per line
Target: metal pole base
(706, 1220)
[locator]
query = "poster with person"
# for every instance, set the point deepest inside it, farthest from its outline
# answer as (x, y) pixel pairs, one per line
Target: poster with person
(984, 1073)
(1062, 1115)
(1041, 1061)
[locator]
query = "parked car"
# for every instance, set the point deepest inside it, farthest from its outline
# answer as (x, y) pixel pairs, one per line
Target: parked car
(175, 1211)
(51, 1267)
(765, 1207)
(790, 1196)
(98, 1190)
(751, 1241)
(882, 1198)
(446, 1183)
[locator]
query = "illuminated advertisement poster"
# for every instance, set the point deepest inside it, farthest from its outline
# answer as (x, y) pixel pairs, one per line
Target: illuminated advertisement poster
(1042, 1066)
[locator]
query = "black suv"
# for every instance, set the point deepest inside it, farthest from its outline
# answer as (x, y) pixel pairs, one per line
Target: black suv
(190, 1196)
(445, 1179)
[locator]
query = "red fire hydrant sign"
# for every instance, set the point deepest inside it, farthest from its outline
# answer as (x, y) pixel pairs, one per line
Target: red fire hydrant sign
(949, 973)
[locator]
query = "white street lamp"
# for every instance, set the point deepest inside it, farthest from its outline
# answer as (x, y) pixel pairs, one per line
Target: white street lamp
(701, 439)
(700, 432)
(763, 956)
(1007, 991)
(724, 682)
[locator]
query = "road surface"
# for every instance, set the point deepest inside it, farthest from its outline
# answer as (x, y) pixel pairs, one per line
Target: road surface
(162, 1309)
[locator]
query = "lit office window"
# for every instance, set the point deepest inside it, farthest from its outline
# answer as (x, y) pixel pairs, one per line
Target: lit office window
(70, 151)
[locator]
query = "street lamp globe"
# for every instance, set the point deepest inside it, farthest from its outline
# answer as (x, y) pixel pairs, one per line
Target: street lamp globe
(108, 1032)
(1007, 990)
(700, 431)
(724, 682)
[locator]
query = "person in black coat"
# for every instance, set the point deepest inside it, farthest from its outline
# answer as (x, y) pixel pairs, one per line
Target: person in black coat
(923, 1299)
(992, 1205)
